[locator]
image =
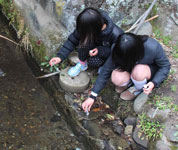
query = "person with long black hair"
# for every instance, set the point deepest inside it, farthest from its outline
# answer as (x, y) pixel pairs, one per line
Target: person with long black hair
(94, 34)
(142, 61)
(135, 59)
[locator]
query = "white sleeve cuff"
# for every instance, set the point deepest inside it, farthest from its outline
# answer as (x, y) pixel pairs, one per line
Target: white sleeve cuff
(94, 94)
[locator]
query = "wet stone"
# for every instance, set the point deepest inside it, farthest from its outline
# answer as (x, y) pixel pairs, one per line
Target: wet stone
(92, 128)
(172, 135)
(118, 127)
(160, 145)
(139, 102)
(130, 121)
(161, 115)
(128, 130)
(140, 138)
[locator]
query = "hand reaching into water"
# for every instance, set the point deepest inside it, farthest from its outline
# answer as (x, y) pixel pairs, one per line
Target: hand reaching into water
(86, 105)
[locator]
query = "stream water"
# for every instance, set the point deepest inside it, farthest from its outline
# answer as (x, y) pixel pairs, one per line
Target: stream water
(28, 120)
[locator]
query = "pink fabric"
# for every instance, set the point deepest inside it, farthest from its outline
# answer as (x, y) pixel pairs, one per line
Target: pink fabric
(83, 62)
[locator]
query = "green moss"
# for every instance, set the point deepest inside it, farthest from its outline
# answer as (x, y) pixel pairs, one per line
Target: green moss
(11, 12)
(173, 147)
(39, 51)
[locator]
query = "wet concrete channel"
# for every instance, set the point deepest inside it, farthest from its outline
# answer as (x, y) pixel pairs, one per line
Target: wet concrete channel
(28, 118)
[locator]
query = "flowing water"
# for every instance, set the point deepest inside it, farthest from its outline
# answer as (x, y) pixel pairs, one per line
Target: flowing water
(28, 120)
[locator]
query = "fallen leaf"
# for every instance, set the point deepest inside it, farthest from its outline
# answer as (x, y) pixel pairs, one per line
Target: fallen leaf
(110, 117)
(96, 109)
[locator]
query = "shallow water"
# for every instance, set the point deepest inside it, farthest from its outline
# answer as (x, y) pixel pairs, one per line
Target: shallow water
(28, 120)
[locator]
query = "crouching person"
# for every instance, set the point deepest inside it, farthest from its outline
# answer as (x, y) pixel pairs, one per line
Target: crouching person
(140, 60)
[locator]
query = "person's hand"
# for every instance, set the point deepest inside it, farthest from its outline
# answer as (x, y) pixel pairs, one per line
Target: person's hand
(86, 105)
(54, 60)
(148, 88)
(93, 52)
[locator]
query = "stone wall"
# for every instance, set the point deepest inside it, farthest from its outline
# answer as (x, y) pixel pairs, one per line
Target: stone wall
(50, 21)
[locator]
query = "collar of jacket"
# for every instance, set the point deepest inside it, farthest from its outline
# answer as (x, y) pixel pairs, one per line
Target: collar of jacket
(109, 23)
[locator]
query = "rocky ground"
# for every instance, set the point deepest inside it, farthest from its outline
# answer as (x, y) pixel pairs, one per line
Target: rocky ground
(112, 117)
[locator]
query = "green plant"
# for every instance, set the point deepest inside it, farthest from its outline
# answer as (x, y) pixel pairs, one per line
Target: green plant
(151, 129)
(46, 65)
(173, 88)
(64, 64)
(163, 103)
(172, 72)
(175, 50)
(164, 39)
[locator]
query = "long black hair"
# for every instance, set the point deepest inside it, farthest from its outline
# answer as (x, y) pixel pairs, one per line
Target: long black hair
(129, 49)
(89, 25)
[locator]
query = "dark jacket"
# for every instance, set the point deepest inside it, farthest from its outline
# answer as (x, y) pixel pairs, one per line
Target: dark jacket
(153, 55)
(105, 40)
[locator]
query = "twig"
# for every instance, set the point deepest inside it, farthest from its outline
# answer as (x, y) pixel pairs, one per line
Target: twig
(8, 39)
(155, 112)
(133, 27)
(146, 14)
(48, 75)
(135, 24)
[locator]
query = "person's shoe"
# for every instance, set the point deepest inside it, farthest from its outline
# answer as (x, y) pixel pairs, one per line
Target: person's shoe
(130, 94)
(120, 89)
(74, 71)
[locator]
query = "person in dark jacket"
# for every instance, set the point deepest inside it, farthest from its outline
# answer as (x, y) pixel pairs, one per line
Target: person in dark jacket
(137, 59)
(94, 34)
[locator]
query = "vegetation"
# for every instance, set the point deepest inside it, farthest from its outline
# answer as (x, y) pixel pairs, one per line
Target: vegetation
(28, 43)
(47, 67)
(166, 40)
(151, 129)
(173, 88)
(163, 103)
